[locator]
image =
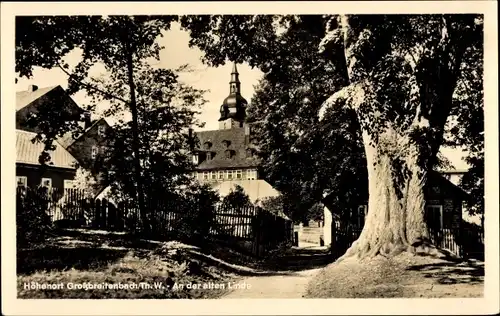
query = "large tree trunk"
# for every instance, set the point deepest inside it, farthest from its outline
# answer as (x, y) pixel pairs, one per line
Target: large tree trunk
(395, 220)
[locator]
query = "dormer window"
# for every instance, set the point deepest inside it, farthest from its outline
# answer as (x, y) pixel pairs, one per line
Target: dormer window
(229, 154)
(249, 152)
(207, 145)
(226, 143)
(209, 156)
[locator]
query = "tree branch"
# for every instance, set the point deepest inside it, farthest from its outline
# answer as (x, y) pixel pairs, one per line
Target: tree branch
(91, 87)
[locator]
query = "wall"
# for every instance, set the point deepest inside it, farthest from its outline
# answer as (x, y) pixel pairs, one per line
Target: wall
(81, 149)
(35, 174)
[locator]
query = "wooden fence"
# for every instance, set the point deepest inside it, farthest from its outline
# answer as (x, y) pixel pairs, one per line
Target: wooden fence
(251, 228)
(467, 243)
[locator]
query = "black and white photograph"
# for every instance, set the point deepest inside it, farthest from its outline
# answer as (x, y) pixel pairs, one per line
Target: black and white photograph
(170, 155)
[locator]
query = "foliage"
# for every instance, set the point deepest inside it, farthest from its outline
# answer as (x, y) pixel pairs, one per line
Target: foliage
(300, 155)
(274, 205)
(237, 198)
(196, 207)
(84, 180)
(32, 222)
(149, 153)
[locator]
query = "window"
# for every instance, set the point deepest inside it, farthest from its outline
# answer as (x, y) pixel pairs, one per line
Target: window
(221, 175)
(46, 183)
(205, 175)
(251, 174)
(226, 143)
(213, 175)
(95, 151)
(69, 184)
(230, 174)
(22, 182)
(101, 130)
(209, 156)
(195, 159)
(238, 174)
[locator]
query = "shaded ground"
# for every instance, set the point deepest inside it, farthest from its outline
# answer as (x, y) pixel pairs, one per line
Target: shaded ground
(403, 276)
(142, 268)
(287, 275)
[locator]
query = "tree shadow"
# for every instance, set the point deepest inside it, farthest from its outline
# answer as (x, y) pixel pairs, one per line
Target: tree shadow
(453, 272)
(81, 250)
(289, 262)
(52, 258)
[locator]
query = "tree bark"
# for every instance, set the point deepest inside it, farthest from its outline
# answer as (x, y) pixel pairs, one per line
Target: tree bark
(396, 204)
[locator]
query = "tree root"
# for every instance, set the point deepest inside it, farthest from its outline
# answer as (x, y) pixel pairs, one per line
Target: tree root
(420, 247)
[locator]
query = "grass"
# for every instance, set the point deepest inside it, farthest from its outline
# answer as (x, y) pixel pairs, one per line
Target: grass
(404, 276)
(89, 259)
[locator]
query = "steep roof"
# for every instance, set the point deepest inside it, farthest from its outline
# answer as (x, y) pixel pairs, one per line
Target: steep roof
(67, 139)
(236, 137)
(24, 98)
(28, 152)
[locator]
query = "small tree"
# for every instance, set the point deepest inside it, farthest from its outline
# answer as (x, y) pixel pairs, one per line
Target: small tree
(85, 181)
(236, 199)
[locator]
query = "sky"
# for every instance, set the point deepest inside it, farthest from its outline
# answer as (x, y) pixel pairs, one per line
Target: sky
(213, 79)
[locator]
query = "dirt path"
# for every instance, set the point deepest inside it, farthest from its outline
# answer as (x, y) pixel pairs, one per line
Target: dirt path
(287, 285)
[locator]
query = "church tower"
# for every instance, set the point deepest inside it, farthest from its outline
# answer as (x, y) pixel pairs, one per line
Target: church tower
(233, 108)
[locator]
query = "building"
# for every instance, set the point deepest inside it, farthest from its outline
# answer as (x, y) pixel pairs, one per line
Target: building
(444, 202)
(59, 173)
(70, 152)
(226, 157)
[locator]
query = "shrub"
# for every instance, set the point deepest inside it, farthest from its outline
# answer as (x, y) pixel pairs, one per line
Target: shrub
(32, 221)
(196, 208)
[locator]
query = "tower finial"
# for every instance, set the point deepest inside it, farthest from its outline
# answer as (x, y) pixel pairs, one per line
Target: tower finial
(235, 70)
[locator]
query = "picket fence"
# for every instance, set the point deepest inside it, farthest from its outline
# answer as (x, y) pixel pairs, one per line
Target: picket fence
(251, 228)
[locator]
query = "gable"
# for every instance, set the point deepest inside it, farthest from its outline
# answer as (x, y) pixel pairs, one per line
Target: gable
(67, 140)
(24, 98)
(52, 99)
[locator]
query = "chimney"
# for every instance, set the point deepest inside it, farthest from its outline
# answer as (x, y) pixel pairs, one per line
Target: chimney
(32, 88)
(87, 120)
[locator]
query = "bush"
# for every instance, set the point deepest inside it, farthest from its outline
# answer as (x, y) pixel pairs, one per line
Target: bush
(237, 199)
(32, 221)
(197, 213)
